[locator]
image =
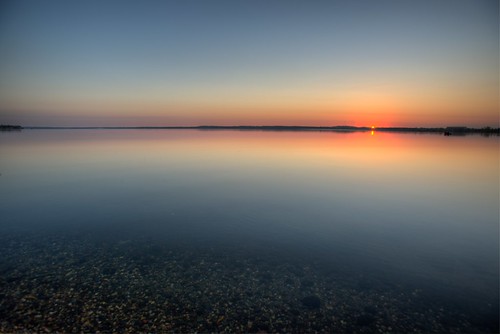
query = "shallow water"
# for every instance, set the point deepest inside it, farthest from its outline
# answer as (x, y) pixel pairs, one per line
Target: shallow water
(185, 230)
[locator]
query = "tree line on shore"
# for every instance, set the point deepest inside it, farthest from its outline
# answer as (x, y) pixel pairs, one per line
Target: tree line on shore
(451, 130)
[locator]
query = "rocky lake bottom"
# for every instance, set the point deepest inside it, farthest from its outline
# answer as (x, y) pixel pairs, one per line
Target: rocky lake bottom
(82, 283)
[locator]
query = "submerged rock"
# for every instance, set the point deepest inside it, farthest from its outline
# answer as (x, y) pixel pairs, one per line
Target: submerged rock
(365, 320)
(311, 302)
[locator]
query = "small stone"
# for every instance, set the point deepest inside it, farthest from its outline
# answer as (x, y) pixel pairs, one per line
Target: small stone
(365, 320)
(311, 302)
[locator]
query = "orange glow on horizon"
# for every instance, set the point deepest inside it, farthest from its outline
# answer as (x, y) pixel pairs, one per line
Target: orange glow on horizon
(193, 114)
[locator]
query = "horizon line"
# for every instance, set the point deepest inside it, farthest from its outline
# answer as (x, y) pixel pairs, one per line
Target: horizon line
(266, 127)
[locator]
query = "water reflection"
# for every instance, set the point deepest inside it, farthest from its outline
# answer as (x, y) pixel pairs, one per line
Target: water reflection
(378, 211)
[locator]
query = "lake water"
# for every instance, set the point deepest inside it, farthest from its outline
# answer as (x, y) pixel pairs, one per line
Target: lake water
(248, 231)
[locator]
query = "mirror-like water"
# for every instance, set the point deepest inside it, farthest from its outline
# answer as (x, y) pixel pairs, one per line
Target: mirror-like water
(187, 230)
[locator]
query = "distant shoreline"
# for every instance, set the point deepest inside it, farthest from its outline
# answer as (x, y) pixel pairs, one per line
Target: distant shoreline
(342, 128)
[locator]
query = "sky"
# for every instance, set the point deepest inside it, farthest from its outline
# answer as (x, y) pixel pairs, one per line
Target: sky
(185, 63)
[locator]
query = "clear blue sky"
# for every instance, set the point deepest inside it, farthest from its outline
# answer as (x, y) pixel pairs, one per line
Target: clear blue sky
(422, 63)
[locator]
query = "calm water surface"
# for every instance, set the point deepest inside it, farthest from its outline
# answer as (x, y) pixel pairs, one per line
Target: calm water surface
(185, 230)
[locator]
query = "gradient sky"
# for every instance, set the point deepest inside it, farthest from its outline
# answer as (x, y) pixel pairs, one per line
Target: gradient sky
(384, 63)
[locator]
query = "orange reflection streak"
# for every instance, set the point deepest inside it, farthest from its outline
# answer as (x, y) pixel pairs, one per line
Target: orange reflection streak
(282, 149)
